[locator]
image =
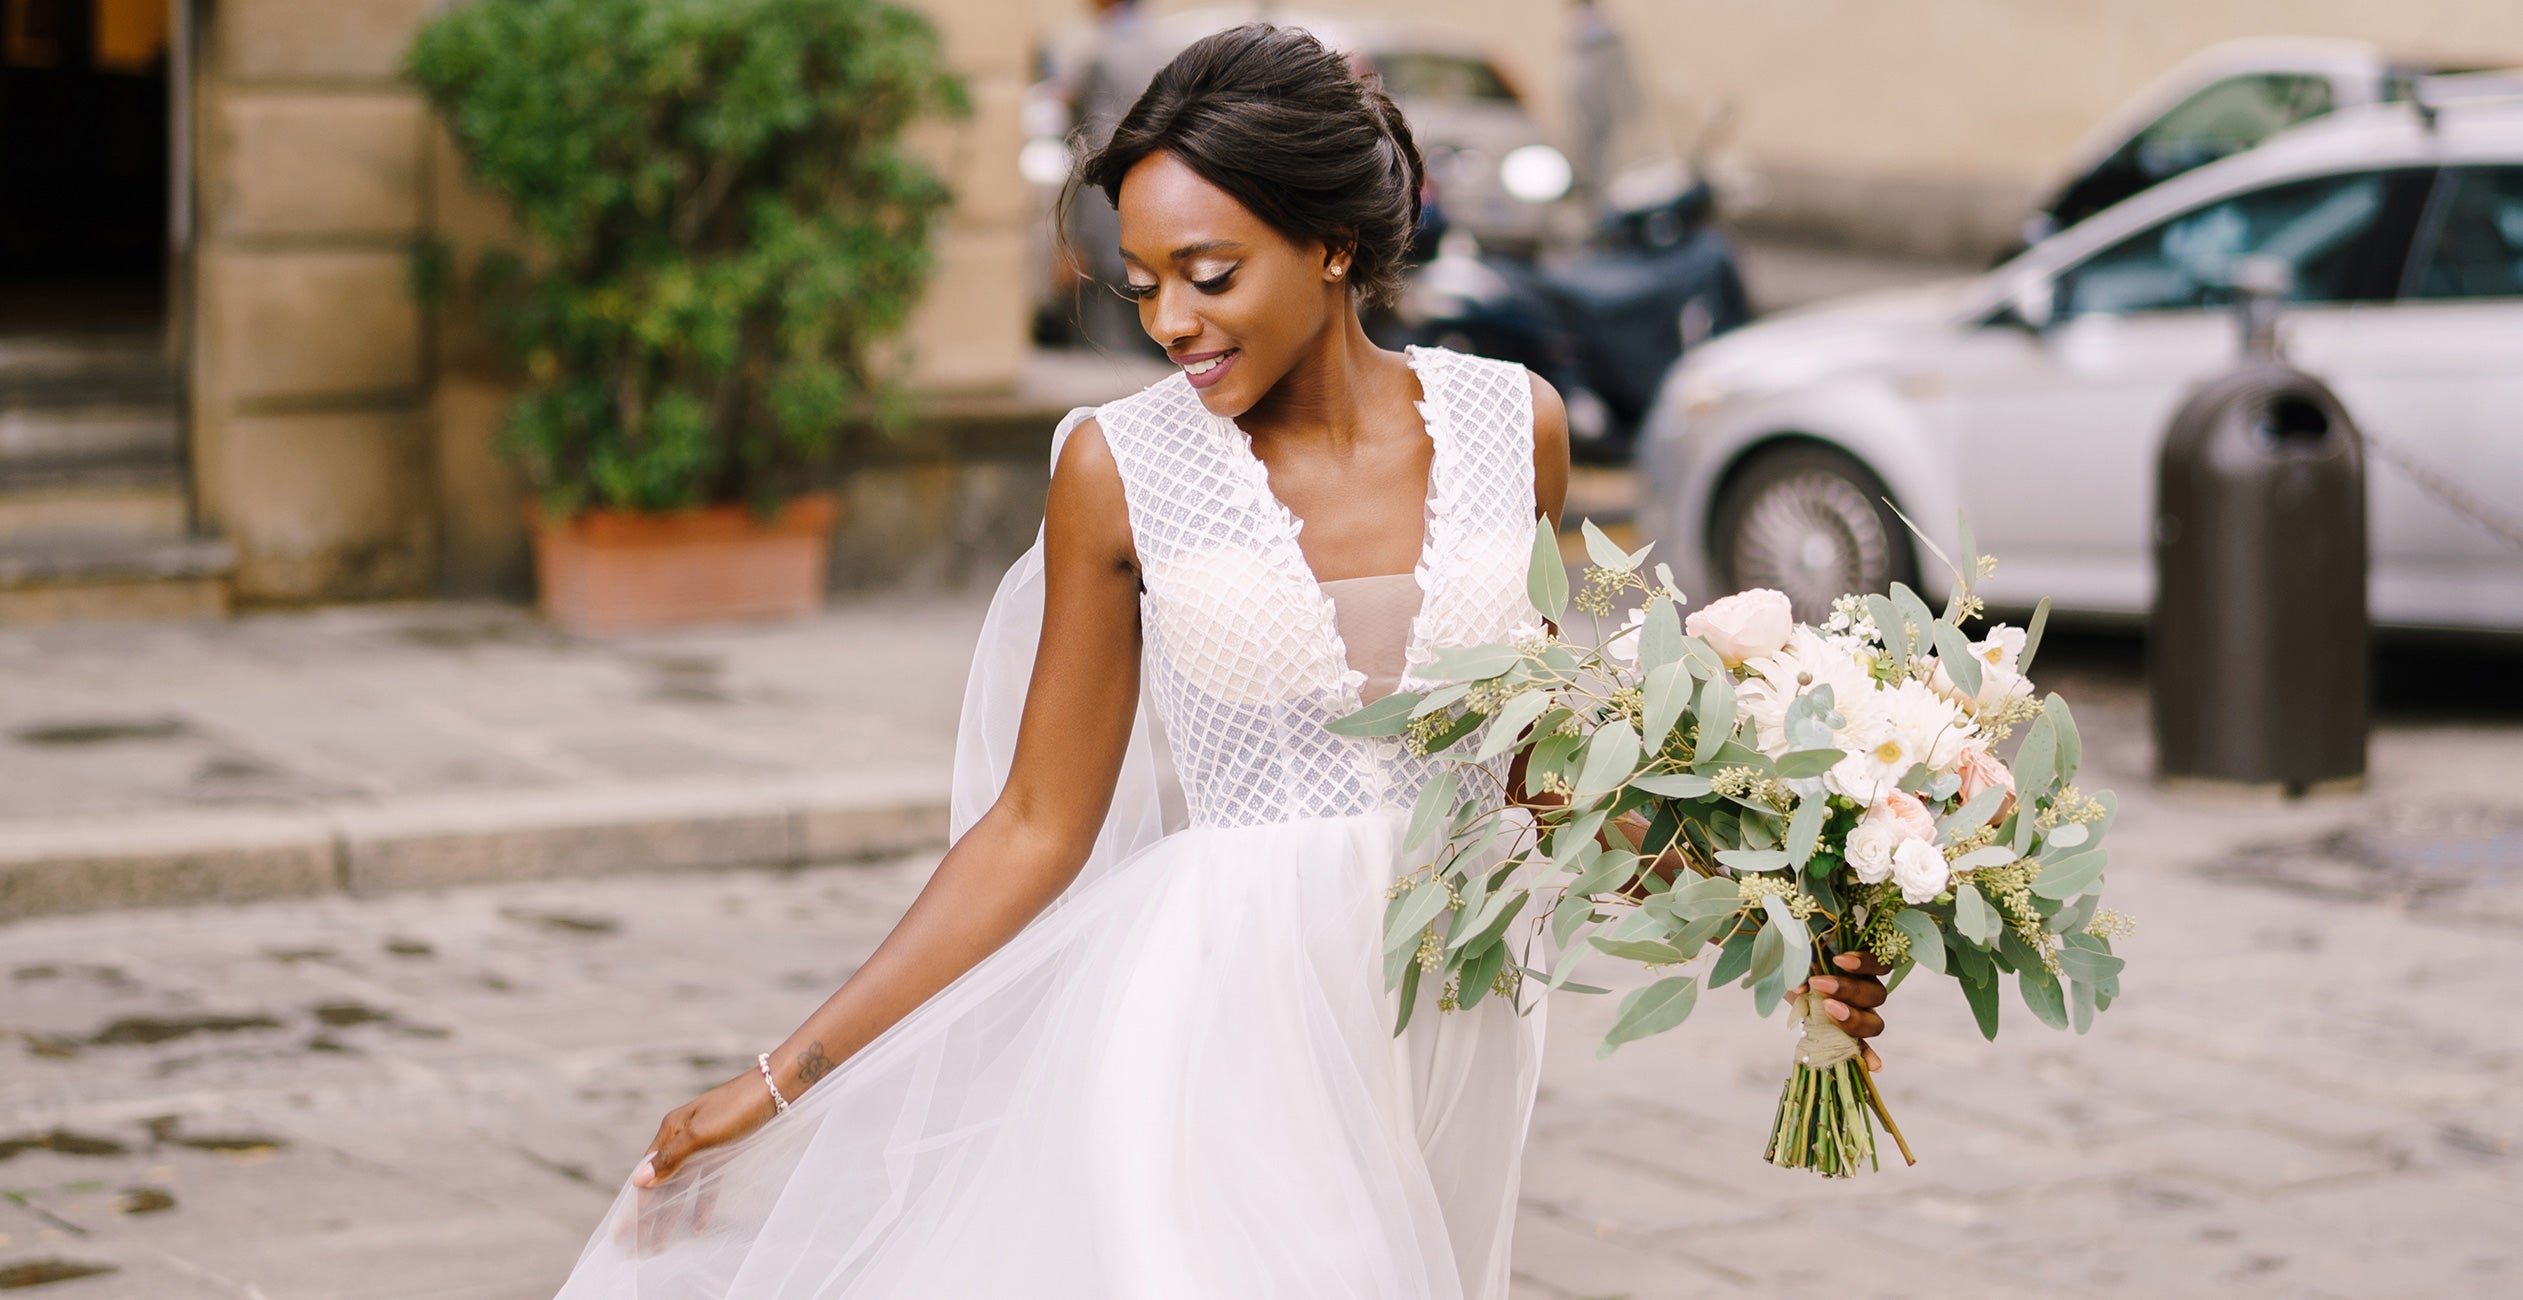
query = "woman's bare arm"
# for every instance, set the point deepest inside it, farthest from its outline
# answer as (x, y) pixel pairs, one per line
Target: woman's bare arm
(1028, 847)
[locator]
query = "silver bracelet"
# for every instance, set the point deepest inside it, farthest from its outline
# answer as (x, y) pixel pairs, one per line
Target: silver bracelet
(764, 1060)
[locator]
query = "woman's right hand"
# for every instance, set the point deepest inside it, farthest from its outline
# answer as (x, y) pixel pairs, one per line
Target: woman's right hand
(717, 1117)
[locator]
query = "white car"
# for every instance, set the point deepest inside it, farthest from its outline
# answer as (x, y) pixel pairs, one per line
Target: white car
(2227, 98)
(2034, 398)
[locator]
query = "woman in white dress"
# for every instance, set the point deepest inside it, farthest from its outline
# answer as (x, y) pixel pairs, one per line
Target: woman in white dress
(1133, 1040)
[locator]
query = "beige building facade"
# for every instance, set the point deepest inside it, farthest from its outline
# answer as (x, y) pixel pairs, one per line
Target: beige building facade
(267, 414)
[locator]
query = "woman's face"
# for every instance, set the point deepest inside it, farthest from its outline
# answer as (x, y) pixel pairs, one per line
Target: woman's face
(1231, 300)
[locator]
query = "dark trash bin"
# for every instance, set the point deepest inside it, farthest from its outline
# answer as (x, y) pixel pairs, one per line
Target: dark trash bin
(2257, 655)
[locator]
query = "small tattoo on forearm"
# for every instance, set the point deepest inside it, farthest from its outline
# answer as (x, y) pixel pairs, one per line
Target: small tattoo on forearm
(812, 1064)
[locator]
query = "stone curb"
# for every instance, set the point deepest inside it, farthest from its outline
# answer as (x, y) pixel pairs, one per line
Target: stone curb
(172, 859)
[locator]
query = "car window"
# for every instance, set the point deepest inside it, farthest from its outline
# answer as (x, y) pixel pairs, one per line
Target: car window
(1440, 78)
(2228, 117)
(2473, 247)
(2317, 227)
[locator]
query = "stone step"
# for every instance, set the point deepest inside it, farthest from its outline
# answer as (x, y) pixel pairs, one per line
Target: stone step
(56, 371)
(108, 434)
(44, 509)
(101, 582)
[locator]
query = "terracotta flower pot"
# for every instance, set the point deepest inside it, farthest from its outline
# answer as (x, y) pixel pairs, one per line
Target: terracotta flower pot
(614, 570)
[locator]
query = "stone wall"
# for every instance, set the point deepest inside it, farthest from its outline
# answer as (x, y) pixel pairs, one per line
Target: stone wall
(342, 434)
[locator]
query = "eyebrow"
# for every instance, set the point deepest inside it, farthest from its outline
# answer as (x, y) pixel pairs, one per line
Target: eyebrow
(1193, 250)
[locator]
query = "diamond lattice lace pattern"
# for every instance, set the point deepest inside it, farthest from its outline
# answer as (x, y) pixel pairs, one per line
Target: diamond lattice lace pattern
(1244, 659)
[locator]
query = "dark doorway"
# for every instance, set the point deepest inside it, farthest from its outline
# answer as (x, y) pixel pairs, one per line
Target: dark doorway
(84, 169)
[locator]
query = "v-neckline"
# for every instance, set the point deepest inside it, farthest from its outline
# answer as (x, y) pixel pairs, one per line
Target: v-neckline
(1290, 525)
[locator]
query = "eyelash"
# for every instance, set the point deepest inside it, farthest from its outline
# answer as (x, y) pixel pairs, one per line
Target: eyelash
(1141, 292)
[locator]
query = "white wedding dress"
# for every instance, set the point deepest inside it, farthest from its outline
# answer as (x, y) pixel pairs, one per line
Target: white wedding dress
(1181, 1082)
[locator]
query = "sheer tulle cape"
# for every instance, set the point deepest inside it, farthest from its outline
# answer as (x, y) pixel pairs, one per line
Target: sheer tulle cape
(1180, 1081)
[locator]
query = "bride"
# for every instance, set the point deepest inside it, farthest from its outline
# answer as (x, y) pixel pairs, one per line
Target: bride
(1133, 1039)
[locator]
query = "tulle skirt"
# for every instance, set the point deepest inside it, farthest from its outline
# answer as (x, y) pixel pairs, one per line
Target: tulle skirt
(1180, 1084)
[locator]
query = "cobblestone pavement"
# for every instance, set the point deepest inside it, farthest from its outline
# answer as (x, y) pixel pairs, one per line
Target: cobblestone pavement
(2308, 1090)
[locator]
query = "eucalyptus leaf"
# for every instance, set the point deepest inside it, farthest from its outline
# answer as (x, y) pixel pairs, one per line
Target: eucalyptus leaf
(1600, 549)
(1797, 948)
(2071, 748)
(1456, 730)
(1668, 692)
(2040, 990)
(1805, 829)
(1705, 662)
(1389, 716)
(1471, 663)
(1673, 785)
(1888, 626)
(1970, 965)
(1506, 727)
(1768, 991)
(1501, 912)
(1611, 758)
(1953, 650)
(1983, 999)
(2070, 919)
(1807, 762)
(1755, 859)
(1973, 814)
(1419, 906)
(1927, 943)
(2032, 636)
(2080, 1005)
(1769, 949)
(1974, 919)
(2088, 965)
(1732, 959)
(1572, 911)
(1717, 711)
(1435, 800)
(1410, 998)
(1441, 698)
(1915, 612)
(2066, 877)
(1703, 897)
(1651, 1010)
(1652, 952)
(1988, 855)
(2037, 760)
(1812, 718)
(2066, 837)
(1660, 640)
(1546, 577)
(1479, 971)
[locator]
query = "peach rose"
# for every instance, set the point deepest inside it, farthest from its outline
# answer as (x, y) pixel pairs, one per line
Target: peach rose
(1980, 770)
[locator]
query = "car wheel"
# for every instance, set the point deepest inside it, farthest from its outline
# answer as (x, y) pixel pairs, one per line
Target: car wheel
(1813, 523)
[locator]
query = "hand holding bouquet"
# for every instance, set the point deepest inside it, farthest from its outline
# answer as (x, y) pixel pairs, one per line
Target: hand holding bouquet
(1806, 794)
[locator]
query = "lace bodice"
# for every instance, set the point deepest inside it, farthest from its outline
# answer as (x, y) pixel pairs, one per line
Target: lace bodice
(1244, 656)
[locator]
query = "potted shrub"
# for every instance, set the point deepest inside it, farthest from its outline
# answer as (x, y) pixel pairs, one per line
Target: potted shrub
(722, 229)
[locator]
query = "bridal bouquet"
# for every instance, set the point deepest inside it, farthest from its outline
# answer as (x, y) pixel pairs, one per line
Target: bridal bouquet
(1742, 797)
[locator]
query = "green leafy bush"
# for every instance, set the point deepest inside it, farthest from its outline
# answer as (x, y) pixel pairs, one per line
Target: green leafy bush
(724, 225)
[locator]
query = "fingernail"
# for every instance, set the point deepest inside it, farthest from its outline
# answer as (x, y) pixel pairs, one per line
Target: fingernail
(1837, 1011)
(646, 1174)
(1845, 961)
(1825, 984)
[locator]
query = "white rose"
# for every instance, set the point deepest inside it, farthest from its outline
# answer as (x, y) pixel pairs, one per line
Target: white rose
(1920, 869)
(1624, 643)
(1869, 850)
(1896, 820)
(1745, 625)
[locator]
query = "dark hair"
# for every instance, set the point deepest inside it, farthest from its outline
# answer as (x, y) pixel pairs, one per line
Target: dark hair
(1280, 122)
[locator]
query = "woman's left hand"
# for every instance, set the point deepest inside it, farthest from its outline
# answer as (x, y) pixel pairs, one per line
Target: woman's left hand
(1850, 1000)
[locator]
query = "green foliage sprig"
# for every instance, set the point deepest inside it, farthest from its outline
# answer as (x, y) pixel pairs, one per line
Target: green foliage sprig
(724, 223)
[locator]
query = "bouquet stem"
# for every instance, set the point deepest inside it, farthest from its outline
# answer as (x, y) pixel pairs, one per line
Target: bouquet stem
(1826, 1111)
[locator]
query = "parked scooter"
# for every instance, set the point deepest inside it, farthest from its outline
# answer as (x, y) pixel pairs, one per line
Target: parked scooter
(1602, 323)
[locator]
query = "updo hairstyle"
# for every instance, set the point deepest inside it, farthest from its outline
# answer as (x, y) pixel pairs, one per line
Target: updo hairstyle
(1281, 123)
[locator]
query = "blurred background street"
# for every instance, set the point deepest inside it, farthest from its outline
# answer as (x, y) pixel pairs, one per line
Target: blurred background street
(407, 795)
